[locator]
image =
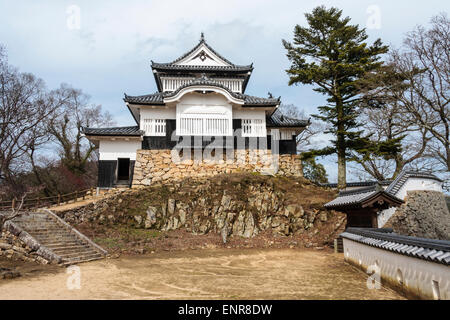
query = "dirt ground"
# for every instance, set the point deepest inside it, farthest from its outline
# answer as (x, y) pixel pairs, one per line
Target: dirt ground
(204, 274)
(26, 269)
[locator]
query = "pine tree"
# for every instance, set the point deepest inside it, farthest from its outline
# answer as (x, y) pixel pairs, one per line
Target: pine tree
(314, 171)
(333, 55)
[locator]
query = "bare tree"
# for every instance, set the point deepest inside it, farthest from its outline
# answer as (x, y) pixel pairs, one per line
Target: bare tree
(24, 108)
(306, 137)
(15, 211)
(407, 103)
(66, 127)
(387, 124)
(425, 61)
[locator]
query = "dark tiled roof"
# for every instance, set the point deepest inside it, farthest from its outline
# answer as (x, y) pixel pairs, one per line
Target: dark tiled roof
(277, 119)
(155, 98)
(257, 101)
(359, 184)
(354, 198)
(427, 249)
(396, 185)
(116, 131)
(158, 97)
(172, 65)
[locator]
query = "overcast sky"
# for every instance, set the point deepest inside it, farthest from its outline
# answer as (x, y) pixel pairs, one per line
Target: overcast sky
(109, 51)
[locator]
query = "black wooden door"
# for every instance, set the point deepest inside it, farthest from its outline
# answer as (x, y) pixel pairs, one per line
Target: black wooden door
(123, 169)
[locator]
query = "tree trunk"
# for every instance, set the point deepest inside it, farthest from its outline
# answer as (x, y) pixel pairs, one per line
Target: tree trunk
(340, 146)
(37, 175)
(342, 168)
(399, 165)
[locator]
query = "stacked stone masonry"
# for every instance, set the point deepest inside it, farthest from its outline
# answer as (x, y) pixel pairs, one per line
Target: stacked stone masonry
(161, 165)
(15, 248)
(424, 214)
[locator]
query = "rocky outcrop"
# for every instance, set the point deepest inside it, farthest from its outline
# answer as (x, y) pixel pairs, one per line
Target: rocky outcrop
(232, 205)
(161, 165)
(424, 214)
(16, 247)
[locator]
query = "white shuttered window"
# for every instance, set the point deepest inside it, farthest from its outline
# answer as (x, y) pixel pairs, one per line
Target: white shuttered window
(155, 127)
(204, 125)
(278, 134)
(253, 128)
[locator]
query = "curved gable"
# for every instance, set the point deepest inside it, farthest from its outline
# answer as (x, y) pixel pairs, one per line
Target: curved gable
(203, 56)
(203, 89)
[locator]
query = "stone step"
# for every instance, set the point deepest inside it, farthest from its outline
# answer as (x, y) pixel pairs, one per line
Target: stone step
(50, 245)
(55, 236)
(81, 260)
(39, 226)
(72, 250)
(60, 246)
(87, 255)
(59, 238)
(34, 220)
(48, 229)
(69, 247)
(76, 255)
(79, 256)
(49, 233)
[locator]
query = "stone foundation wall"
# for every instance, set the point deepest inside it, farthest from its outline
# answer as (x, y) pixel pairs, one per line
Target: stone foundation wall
(424, 214)
(161, 165)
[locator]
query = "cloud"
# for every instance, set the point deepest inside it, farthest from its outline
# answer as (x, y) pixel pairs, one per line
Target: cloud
(111, 52)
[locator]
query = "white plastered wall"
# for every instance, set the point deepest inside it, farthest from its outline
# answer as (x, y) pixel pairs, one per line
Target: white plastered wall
(417, 275)
(249, 114)
(157, 113)
(114, 149)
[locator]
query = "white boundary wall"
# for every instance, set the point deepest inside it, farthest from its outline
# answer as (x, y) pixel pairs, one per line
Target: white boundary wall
(415, 277)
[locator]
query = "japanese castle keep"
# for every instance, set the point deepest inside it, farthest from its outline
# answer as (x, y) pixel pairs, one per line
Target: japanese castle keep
(200, 106)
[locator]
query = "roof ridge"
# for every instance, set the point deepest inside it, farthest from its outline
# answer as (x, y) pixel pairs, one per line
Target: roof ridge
(144, 95)
(398, 183)
(113, 131)
(360, 183)
(437, 244)
(359, 190)
(120, 127)
(234, 67)
(282, 114)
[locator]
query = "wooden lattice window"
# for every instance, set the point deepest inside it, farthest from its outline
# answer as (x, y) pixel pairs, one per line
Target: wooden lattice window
(203, 125)
(155, 127)
(253, 128)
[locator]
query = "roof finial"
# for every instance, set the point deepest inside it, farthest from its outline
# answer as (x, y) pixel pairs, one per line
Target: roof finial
(202, 37)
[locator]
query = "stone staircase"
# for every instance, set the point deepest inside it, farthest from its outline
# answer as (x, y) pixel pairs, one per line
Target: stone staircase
(59, 237)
